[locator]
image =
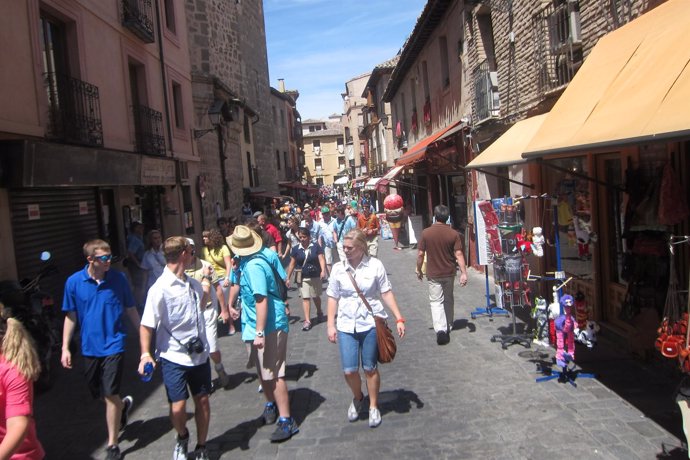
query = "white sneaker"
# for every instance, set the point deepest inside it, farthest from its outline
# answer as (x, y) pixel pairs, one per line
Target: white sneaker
(354, 409)
(374, 417)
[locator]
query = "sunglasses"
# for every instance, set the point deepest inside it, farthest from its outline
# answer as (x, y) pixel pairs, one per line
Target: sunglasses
(104, 258)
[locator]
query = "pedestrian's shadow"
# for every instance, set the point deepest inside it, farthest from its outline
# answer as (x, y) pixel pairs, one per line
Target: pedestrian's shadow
(297, 371)
(238, 379)
(460, 324)
(303, 402)
(399, 401)
(145, 432)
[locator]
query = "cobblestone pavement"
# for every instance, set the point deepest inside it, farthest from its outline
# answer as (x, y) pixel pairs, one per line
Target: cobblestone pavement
(468, 399)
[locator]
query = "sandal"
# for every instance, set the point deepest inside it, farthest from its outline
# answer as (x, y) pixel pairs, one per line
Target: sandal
(306, 326)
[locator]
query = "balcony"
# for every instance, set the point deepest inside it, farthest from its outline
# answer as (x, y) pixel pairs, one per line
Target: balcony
(74, 111)
(137, 16)
(558, 45)
(486, 99)
(148, 130)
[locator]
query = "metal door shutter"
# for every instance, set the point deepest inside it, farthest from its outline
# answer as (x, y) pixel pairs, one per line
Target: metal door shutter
(68, 218)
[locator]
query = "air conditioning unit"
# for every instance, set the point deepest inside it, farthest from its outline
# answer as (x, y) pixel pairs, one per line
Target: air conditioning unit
(574, 23)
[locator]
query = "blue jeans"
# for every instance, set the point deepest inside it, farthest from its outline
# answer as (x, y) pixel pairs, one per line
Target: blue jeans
(354, 345)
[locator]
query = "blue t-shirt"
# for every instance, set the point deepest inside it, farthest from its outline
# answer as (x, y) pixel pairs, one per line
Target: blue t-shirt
(135, 245)
(99, 309)
(345, 225)
(256, 278)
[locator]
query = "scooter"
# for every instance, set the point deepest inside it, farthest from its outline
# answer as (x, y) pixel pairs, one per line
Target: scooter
(25, 301)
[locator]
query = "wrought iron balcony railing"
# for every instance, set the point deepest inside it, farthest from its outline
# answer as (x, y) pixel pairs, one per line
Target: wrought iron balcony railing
(486, 98)
(148, 130)
(74, 111)
(137, 16)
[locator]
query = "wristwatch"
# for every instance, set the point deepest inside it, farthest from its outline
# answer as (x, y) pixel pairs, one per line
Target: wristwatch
(260, 333)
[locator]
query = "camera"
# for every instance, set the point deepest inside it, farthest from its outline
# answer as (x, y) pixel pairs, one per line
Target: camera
(195, 345)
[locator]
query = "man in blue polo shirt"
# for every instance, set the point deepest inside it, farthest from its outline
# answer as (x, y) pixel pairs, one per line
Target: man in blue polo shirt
(264, 325)
(97, 298)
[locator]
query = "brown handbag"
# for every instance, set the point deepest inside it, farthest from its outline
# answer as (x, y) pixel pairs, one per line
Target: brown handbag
(384, 336)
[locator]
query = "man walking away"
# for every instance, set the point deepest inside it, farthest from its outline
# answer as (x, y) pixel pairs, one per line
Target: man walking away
(369, 224)
(174, 312)
(264, 327)
(97, 298)
(443, 250)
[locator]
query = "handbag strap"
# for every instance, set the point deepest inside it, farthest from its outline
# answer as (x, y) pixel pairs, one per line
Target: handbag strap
(306, 254)
(359, 292)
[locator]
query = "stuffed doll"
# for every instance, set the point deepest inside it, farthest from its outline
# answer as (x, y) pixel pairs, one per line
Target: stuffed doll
(587, 335)
(540, 313)
(554, 312)
(537, 242)
(581, 310)
(565, 336)
(524, 243)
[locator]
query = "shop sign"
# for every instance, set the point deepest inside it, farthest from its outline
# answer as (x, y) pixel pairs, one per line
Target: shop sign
(157, 171)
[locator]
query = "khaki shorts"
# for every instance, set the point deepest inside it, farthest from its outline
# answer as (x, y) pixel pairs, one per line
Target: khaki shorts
(211, 321)
(270, 360)
(311, 288)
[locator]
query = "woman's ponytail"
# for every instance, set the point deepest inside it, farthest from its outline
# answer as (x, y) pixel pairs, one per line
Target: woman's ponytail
(18, 347)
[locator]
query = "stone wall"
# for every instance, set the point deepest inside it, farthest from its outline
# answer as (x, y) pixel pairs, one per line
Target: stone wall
(229, 60)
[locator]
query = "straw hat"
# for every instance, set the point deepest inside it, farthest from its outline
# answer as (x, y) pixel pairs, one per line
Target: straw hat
(245, 241)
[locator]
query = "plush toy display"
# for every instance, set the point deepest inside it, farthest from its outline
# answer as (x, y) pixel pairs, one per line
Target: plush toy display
(524, 243)
(565, 336)
(537, 242)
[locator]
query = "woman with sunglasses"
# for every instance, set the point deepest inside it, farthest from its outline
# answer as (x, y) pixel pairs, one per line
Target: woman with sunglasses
(355, 332)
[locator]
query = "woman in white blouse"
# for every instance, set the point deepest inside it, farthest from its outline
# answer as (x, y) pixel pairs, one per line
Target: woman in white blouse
(355, 332)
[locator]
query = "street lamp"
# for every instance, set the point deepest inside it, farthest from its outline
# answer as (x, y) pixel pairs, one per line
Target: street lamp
(215, 116)
(384, 121)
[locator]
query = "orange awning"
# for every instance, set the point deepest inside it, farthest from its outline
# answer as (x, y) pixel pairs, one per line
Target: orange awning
(394, 171)
(634, 87)
(507, 150)
(418, 151)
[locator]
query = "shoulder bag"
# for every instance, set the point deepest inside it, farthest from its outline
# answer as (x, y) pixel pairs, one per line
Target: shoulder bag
(384, 336)
(298, 271)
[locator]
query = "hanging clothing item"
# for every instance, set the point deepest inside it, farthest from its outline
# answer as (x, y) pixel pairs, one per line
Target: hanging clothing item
(414, 126)
(672, 206)
(398, 129)
(427, 113)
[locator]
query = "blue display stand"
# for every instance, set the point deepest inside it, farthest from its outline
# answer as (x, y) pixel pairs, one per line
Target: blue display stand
(490, 310)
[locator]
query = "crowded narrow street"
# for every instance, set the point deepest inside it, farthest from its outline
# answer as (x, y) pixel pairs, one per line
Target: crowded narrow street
(468, 399)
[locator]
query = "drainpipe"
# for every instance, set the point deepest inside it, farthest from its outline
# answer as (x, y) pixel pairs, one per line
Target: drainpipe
(163, 79)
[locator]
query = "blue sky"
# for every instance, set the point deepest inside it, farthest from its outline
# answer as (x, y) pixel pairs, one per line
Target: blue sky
(318, 45)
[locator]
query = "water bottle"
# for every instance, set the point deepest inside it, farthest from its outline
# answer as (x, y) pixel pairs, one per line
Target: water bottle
(148, 372)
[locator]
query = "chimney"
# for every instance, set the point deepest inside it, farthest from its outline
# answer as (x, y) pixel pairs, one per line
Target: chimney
(281, 85)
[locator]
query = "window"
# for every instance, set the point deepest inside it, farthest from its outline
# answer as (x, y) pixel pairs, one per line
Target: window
(312, 129)
(317, 164)
(169, 7)
(445, 70)
(285, 160)
(425, 80)
(341, 163)
(247, 132)
(249, 169)
(413, 92)
(278, 160)
(178, 110)
(188, 209)
(316, 146)
(54, 46)
(319, 181)
(273, 111)
(282, 118)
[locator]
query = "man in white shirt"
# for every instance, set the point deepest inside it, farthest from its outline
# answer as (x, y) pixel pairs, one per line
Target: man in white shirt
(328, 239)
(174, 311)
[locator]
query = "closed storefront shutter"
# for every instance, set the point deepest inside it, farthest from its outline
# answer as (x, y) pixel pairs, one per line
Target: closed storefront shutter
(56, 220)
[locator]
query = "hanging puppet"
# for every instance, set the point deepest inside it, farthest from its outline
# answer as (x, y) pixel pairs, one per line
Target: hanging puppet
(565, 336)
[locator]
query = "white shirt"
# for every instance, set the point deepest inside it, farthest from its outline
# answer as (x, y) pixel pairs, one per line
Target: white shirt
(173, 307)
(154, 262)
(372, 280)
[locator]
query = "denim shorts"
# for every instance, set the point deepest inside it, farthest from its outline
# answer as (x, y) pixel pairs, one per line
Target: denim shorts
(352, 345)
(177, 378)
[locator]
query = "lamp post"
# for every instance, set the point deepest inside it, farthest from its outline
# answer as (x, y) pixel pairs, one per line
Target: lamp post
(218, 113)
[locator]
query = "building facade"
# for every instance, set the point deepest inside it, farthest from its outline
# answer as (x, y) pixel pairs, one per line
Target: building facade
(96, 131)
(287, 133)
(557, 62)
(430, 109)
(352, 120)
(324, 151)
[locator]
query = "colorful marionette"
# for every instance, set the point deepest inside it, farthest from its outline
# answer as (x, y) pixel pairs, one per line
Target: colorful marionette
(538, 242)
(540, 313)
(565, 336)
(587, 335)
(524, 243)
(554, 312)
